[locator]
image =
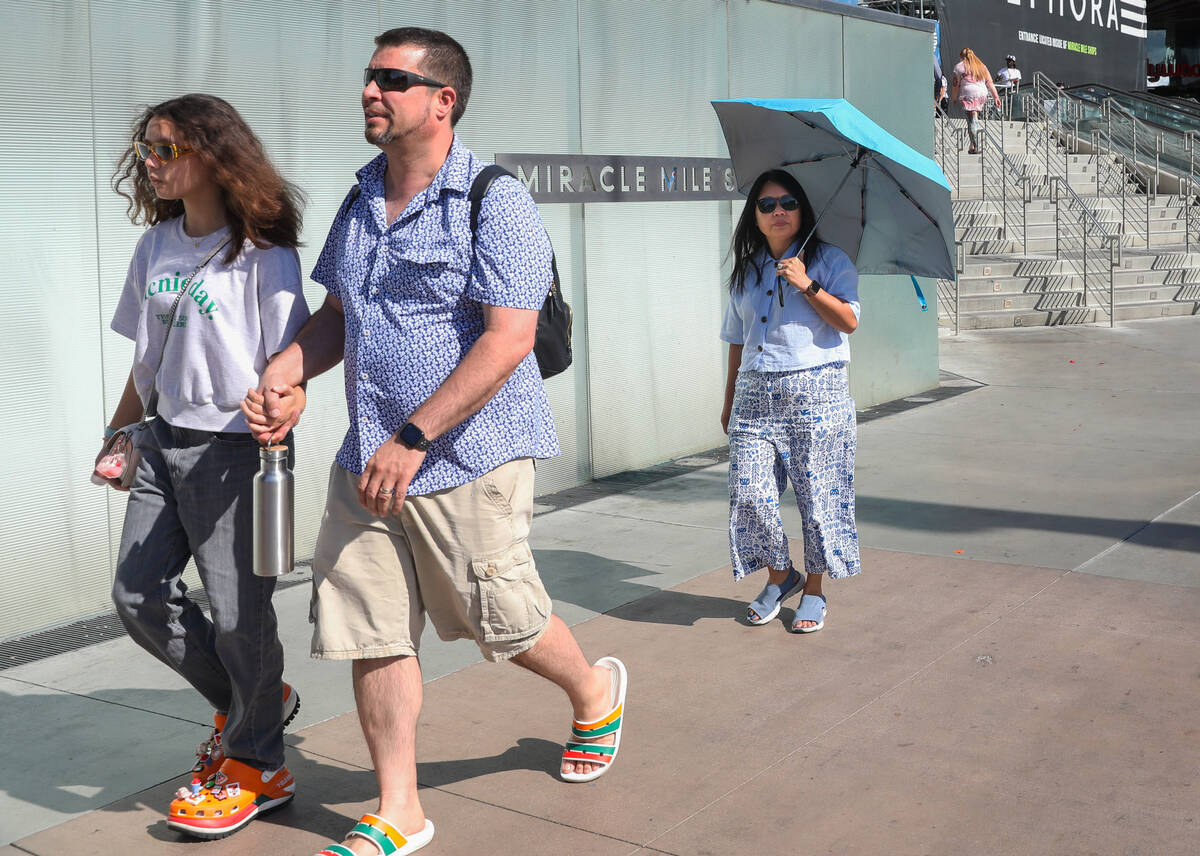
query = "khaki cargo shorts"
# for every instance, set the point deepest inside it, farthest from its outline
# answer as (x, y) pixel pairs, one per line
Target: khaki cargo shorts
(461, 555)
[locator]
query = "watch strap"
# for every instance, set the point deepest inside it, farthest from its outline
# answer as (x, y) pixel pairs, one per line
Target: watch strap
(413, 437)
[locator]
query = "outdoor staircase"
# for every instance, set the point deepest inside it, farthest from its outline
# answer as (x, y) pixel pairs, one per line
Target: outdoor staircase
(1019, 276)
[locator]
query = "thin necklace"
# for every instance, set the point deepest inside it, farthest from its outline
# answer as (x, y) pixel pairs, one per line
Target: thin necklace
(203, 239)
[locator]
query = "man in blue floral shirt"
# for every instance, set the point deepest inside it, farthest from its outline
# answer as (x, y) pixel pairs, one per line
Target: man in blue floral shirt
(431, 494)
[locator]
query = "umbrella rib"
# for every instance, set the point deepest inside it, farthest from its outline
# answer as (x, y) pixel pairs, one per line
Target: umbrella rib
(817, 222)
(906, 194)
(817, 159)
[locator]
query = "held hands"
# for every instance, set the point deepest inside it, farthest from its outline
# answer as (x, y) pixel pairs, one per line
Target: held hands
(385, 480)
(273, 411)
(793, 270)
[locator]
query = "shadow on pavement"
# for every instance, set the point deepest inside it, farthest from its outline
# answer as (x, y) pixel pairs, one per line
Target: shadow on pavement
(942, 518)
(530, 753)
(606, 586)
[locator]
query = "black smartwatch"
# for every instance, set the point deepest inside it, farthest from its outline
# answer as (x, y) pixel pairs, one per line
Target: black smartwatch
(413, 437)
(813, 289)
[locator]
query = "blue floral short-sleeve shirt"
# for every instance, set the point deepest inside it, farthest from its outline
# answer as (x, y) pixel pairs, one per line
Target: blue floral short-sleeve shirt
(413, 295)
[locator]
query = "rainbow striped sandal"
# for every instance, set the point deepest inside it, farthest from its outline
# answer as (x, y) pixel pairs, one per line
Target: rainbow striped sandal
(581, 747)
(386, 838)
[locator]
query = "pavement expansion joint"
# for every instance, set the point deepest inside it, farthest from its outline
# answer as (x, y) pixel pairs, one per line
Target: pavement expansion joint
(87, 697)
(537, 817)
(1081, 568)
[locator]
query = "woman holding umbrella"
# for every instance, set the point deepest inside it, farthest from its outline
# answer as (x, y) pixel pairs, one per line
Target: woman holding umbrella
(788, 412)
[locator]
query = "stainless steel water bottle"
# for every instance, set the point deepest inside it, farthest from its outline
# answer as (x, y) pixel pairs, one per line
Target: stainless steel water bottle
(274, 507)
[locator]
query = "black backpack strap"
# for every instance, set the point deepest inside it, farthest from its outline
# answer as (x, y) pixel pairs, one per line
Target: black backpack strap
(479, 189)
(349, 200)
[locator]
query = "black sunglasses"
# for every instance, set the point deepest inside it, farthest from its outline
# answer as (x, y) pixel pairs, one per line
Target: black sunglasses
(396, 79)
(766, 204)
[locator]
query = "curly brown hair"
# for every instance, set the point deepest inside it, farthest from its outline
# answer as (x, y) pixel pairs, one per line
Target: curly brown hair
(260, 204)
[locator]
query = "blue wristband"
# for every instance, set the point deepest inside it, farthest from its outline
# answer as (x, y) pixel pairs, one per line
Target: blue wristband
(109, 431)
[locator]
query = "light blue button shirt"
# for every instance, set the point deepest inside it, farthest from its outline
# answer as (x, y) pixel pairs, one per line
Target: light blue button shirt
(794, 336)
(413, 293)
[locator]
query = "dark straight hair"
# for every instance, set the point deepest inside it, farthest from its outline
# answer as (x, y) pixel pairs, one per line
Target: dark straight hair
(260, 204)
(445, 61)
(749, 241)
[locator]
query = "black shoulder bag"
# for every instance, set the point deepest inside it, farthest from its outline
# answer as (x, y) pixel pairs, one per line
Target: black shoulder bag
(552, 347)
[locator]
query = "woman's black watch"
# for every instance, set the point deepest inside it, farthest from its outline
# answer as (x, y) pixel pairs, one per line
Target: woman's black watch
(813, 289)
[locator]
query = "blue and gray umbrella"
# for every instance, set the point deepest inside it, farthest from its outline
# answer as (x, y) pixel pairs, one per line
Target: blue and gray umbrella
(884, 204)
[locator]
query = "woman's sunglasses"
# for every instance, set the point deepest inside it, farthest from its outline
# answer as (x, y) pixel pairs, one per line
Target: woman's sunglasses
(766, 204)
(396, 79)
(162, 152)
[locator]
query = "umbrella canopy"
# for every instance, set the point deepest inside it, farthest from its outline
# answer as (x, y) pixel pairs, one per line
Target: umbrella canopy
(886, 205)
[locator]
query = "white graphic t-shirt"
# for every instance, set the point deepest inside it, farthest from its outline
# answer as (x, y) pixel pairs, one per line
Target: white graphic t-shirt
(231, 320)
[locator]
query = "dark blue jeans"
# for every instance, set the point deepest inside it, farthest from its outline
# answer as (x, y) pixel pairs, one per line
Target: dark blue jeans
(192, 497)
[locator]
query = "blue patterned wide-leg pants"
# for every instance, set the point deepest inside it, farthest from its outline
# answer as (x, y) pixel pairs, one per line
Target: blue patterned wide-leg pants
(799, 426)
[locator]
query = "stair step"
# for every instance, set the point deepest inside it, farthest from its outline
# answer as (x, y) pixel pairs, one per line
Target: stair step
(1013, 282)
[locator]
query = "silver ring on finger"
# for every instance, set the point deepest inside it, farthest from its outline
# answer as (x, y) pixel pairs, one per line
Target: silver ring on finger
(384, 492)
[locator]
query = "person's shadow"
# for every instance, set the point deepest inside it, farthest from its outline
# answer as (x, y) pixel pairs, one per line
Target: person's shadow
(350, 785)
(606, 586)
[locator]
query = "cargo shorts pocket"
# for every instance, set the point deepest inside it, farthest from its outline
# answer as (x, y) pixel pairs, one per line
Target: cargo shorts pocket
(513, 603)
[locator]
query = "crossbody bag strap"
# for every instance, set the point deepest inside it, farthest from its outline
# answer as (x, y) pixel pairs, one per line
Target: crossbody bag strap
(151, 409)
(479, 189)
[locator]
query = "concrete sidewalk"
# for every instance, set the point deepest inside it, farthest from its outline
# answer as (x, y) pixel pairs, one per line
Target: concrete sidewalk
(1014, 672)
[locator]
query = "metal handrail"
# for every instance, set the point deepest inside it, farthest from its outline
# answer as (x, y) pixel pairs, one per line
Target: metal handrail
(1088, 225)
(1066, 113)
(947, 289)
(942, 148)
(999, 161)
(1128, 156)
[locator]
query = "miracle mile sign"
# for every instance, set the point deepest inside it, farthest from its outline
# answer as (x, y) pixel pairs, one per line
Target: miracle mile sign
(622, 178)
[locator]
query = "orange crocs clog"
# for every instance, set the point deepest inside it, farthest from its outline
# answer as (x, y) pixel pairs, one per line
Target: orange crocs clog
(235, 795)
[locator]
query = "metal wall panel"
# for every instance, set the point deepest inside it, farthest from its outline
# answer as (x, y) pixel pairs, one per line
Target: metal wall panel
(654, 292)
(781, 51)
(895, 347)
(294, 73)
(54, 550)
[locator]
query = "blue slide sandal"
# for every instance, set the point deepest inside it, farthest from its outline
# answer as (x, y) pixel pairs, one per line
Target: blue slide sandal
(812, 608)
(766, 606)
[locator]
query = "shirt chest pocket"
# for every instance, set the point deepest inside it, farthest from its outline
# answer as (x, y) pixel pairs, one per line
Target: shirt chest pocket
(433, 273)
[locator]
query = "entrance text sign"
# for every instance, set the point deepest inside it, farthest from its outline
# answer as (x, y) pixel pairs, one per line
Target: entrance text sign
(622, 178)
(1070, 41)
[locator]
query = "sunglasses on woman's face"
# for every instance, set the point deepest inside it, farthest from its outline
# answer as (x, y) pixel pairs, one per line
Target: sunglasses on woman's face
(396, 79)
(162, 152)
(766, 204)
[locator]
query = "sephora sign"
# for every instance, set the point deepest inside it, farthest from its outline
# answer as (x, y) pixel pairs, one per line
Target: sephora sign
(1071, 41)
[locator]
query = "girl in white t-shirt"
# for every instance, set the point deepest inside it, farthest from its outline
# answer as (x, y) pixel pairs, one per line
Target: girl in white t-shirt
(198, 176)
